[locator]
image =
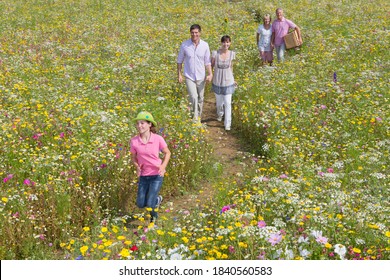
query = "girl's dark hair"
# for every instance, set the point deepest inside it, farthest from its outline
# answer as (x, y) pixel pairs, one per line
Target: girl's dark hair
(226, 38)
(195, 26)
(153, 128)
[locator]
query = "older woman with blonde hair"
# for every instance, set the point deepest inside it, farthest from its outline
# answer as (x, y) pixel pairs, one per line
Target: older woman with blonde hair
(263, 38)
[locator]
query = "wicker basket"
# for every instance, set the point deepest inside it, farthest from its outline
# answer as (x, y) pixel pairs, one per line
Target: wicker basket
(291, 40)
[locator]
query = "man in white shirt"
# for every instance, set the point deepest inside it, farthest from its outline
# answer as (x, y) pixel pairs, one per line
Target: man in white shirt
(195, 54)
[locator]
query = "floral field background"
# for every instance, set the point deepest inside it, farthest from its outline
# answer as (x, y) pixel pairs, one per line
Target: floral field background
(73, 75)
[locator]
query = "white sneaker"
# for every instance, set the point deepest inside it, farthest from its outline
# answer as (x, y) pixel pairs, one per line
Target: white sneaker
(227, 128)
(159, 200)
(219, 119)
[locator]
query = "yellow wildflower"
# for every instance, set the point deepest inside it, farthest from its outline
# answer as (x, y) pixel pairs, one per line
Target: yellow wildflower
(83, 250)
(185, 239)
(357, 250)
(125, 253)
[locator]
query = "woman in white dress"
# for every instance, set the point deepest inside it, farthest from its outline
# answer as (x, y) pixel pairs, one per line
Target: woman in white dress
(263, 38)
(223, 84)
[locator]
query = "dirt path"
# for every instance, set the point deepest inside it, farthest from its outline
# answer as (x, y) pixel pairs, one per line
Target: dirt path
(227, 148)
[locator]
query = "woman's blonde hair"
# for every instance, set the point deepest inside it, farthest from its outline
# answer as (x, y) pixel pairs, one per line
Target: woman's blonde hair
(267, 16)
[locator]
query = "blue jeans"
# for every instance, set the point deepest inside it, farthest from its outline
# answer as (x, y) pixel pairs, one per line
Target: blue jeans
(148, 189)
(280, 52)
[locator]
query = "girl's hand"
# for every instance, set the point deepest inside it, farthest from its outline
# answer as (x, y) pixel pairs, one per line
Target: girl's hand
(161, 171)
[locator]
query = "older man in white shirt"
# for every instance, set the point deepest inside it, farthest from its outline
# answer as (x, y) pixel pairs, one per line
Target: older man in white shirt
(195, 54)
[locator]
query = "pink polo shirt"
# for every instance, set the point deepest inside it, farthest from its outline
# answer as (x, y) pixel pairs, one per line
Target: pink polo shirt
(281, 27)
(148, 154)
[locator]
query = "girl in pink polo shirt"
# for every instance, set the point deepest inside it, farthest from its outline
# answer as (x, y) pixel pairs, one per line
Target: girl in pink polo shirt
(145, 151)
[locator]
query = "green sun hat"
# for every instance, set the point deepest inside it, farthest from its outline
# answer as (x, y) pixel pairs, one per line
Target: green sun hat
(145, 116)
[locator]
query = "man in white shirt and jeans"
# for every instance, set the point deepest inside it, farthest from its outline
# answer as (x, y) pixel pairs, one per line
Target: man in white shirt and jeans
(195, 54)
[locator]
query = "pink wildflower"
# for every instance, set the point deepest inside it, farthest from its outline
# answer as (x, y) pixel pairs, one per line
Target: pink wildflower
(227, 208)
(261, 224)
(275, 238)
(9, 177)
(28, 182)
(322, 239)
(37, 136)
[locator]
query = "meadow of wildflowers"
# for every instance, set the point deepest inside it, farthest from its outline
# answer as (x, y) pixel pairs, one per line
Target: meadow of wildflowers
(73, 74)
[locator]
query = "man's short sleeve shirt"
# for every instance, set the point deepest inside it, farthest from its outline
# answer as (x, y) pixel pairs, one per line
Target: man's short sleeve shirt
(281, 27)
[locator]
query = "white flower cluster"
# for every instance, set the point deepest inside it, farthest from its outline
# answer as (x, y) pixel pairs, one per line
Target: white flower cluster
(223, 231)
(180, 252)
(258, 179)
(378, 175)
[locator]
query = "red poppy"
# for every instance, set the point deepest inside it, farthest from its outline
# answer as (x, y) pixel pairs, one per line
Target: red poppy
(134, 248)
